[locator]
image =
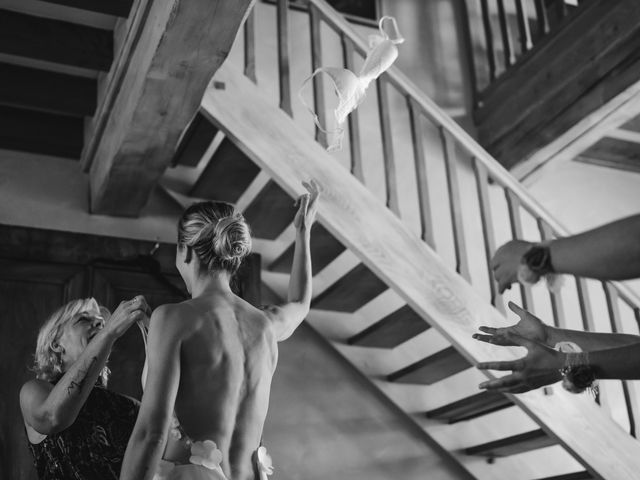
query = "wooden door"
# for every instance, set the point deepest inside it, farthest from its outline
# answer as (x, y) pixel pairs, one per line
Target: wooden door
(39, 271)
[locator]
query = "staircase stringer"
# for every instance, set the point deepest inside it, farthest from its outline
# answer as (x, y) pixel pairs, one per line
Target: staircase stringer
(348, 210)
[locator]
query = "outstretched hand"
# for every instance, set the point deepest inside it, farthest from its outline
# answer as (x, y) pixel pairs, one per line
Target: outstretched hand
(506, 260)
(541, 366)
(307, 206)
(127, 313)
(529, 327)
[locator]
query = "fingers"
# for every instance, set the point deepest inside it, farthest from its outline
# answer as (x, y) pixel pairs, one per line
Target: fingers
(494, 339)
(501, 366)
(505, 383)
(490, 330)
(517, 310)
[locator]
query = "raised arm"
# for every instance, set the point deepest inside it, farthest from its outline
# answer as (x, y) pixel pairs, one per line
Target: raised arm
(609, 252)
(50, 409)
(149, 436)
(531, 327)
(287, 317)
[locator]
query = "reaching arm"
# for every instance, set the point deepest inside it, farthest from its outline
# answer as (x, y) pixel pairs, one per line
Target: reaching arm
(286, 318)
(50, 409)
(149, 436)
(531, 327)
(609, 252)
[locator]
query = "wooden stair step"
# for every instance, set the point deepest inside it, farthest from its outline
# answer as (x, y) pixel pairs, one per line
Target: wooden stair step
(43, 90)
(584, 475)
(432, 369)
(40, 132)
(471, 407)
(393, 330)
(227, 175)
(324, 249)
(118, 8)
(521, 443)
(195, 141)
(270, 212)
(55, 41)
(350, 292)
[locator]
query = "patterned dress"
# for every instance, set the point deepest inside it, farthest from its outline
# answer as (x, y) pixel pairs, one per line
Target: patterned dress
(93, 447)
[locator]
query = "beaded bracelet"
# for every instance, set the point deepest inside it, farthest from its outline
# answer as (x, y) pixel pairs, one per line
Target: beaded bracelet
(577, 374)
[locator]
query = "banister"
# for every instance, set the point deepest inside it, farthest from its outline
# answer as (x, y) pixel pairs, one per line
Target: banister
(429, 109)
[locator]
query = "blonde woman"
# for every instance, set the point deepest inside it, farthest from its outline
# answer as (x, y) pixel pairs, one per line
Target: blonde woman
(76, 427)
(211, 358)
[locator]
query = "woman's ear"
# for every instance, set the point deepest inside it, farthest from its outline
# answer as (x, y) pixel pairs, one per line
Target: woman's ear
(56, 347)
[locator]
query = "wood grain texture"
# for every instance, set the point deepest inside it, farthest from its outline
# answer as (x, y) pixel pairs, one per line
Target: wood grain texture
(228, 173)
(55, 41)
(180, 45)
(405, 263)
(350, 292)
(42, 90)
(562, 81)
(432, 369)
(393, 330)
(40, 132)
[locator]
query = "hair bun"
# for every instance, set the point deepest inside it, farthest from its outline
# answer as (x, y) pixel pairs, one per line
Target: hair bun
(231, 238)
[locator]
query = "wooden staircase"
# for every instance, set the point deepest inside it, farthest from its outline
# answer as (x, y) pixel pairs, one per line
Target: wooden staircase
(383, 297)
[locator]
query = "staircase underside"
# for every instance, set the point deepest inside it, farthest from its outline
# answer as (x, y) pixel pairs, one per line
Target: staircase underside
(399, 259)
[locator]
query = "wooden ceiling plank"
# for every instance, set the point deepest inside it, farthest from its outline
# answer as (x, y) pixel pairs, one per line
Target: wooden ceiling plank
(393, 330)
(521, 443)
(179, 46)
(270, 212)
(194, 142)
(432, 369)
(40, 132)
(43, 90)
(118, 8)
(55, 41)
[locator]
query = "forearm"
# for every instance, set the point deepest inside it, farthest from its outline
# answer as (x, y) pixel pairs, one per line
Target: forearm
(621, 363)
(610, 252)
(143, 454)
(301, 275)
(70, 393)
(589, 341)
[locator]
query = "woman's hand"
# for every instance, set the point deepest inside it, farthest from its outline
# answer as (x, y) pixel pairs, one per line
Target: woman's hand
(529, 327)
(506, 260)
(308, 207)
(127, 313)
(541, 366)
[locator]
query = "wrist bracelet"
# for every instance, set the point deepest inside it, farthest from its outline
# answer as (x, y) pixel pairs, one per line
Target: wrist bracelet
(536, 263)
(577, 374)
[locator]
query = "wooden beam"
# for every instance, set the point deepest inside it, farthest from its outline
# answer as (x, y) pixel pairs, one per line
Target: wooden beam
(194, 142)
(613, 153)
(625, 135)
(404, 262)
(350, 292)
(55, 41)
(471, 407)
(40, 132)
(432, 369)
(270, 212)
(118, 8)
(42, 90)
(177, 48)
(393, 330)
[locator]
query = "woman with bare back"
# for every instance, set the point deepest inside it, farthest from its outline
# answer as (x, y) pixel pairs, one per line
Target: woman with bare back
(211, 359)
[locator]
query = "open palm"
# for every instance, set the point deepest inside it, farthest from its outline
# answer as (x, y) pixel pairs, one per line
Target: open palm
(529, 327)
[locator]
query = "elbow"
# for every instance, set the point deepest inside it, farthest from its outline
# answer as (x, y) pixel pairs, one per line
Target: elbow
(150, 437)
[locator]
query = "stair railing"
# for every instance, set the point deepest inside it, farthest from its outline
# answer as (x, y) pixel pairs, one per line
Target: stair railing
(458, 149)
(508, 38)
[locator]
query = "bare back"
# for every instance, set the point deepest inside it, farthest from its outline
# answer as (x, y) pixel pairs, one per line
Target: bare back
(227, 360)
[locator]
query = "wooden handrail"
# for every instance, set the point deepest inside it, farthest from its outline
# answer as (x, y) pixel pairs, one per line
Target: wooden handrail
(429, 109)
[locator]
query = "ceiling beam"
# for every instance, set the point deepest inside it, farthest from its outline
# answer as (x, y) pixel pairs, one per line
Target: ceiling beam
(55, 41)
(43, 90)
(118, 8)
(40, 132)
(178, 47)
(625, 135)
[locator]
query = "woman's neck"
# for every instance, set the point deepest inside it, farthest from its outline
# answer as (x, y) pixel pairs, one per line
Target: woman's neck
(216, 282)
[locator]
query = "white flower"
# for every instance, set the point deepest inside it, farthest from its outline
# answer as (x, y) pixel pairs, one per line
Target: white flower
(206, 454)
(265, 464)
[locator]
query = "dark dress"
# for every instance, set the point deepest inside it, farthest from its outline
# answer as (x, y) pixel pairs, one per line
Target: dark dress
(93, 447)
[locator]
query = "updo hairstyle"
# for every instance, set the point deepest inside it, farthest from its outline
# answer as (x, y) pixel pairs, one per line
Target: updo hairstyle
(219, 236)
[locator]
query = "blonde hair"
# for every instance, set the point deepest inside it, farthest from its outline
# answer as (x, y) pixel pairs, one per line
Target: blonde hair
(48, 357)
(218, 235)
